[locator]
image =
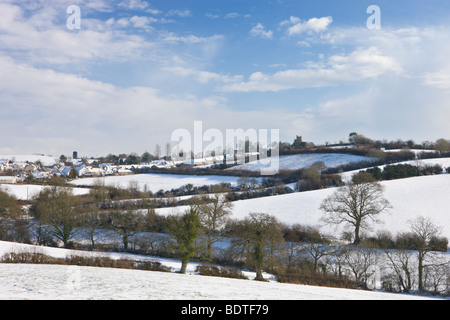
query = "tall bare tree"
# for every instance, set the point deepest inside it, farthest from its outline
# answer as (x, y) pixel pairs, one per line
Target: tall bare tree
(214, 211)
(424, 231)
(158, 151)
(317, 252)
(355, 204)
(360, 262)
(92, 220)
(400, 262)
(127, 223)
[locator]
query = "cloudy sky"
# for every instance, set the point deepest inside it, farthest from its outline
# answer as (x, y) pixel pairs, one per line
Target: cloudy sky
(137, 70)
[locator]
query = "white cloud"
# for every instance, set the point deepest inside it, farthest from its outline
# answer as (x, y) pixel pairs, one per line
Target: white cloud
(211, 15)
(136, 22)
(392, 79)
(313, 25)
(53, 112)
(43, 105)
(364, 63)
(179, 13)
(139, 5)
(171, 37)
(40, 39)
(359, 65)
(99, 5)
(438, 79)
(259, 31)
(232, 15)
(134, 4)
(351, 111)
(202, 76)
(389, 109)
(291, 20)
(422, 52)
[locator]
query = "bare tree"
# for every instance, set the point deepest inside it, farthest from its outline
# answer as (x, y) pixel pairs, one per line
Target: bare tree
(360, 262)
(133, 188)
(91, 221)
(442, 145)
(158, 151)
(354, 205)
(214, 211)
(317, 252)
(289, 256)
(338, 260)
(400, 261)
(436, 278)
(168, 150)
(127, 223)
(424, 231)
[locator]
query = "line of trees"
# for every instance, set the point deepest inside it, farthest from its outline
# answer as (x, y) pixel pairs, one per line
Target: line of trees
(399, 171)
(134, 158)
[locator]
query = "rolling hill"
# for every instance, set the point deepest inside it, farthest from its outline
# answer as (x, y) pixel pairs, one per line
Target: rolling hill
(58, 282)
(426, 196)
(301, 161)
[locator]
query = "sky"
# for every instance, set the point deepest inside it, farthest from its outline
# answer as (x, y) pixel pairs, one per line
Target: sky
(121, 76)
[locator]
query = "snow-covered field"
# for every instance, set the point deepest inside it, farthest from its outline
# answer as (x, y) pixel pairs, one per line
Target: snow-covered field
(27, 191)
(155, 182)
(426, 196)
(443, 162)
(56, 282)
(300, 161)
(411, 197)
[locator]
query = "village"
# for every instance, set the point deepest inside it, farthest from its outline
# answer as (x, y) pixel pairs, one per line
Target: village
(27, 168)
(40, 167)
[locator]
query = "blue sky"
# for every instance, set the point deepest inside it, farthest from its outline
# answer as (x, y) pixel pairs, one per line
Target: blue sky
(138, 70)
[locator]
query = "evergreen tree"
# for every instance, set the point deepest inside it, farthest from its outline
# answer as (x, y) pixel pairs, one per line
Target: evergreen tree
(185, 231)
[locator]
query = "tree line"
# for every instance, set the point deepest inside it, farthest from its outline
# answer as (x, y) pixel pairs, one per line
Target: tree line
(399, 171)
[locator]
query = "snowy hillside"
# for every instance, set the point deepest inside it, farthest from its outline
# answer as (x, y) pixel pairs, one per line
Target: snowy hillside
(300, 161)
(86, 283)
(426, 196)
(155, 182)
(57, 282)
(443, 162)
(410, 197)
(27, 191)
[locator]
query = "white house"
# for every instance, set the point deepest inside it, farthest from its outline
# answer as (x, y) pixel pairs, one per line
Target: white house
(82, 170)
(8, 180)
(41, 174)
(123, 172)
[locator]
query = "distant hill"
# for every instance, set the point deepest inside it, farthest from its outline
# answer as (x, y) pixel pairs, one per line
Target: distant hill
(301, 161)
